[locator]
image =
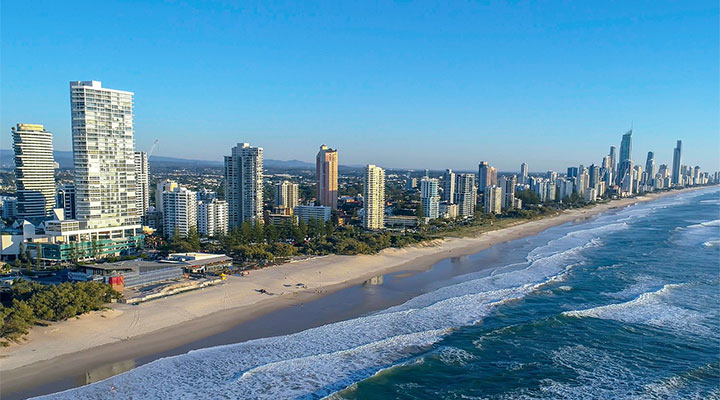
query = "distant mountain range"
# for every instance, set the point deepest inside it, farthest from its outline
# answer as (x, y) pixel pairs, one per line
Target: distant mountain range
(65, 159)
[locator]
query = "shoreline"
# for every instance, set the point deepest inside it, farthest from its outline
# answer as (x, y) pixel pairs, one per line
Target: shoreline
(129, 332)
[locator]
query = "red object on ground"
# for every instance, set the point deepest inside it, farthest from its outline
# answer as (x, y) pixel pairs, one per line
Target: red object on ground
(117, 282)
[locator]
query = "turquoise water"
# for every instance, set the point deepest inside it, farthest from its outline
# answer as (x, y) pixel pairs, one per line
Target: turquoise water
(625, 305)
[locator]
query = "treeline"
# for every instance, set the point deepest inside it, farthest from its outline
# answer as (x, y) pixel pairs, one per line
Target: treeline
(29, 303)
(266, 242)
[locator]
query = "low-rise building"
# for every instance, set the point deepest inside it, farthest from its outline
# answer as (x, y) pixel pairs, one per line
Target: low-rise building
(306, 213)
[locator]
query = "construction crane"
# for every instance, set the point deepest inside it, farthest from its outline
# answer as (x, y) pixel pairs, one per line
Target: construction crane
(152, 148)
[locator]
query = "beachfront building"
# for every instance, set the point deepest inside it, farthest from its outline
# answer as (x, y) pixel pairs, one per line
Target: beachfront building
(212, 217)
(374, 198)
(508, 184)
(306, 213)
(142, 183)
(493, 200)
(179, 211)
(34, 171)
(244, 184)
(465, 195)
(447, 210)
(429, 197)
(104, 156)
(326, 171)
(287, 195)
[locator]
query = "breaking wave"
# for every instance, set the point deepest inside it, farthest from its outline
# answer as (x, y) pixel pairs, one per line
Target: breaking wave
(649, 308)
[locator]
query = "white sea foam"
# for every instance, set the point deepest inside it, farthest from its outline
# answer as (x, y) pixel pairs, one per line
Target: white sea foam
(604, 375)
(705, 233)
(650, 308)
(323, 360)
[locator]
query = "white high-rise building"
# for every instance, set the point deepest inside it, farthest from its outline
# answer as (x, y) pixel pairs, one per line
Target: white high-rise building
(287, 195)
(104, 156)
(374, 198)
(244, 184)
(163, 186)
(465, 194)
(212, 217)
(179, 211)
(429, 197)
(142, 183)
(493, 200)
(34, 171)
(523, 173)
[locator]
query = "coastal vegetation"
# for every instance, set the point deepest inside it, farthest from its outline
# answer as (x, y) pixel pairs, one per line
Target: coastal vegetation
(29, 303)
(265, 243)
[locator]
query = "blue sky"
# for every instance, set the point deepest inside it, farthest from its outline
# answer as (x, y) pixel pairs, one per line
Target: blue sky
(403, 84)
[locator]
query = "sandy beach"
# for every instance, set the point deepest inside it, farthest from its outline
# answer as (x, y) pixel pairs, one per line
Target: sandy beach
(127, 331)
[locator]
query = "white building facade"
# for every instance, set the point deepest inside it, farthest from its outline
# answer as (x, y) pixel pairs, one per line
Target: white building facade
(104, 155)
(142, 183)
(34, 171)
(244, 184)
(374, 198)
(179, 211)
(212, 217)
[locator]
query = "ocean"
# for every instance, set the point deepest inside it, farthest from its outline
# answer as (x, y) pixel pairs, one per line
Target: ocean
(624, 305)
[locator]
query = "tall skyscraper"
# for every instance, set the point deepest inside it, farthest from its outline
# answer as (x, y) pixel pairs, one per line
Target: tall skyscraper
(65, 199)
(677, 159)
(104, 155)
(650, 165)
(429, 197)
(594, 175)
(286, 195)
(448, 186)
(179, 211)
(34, 171)
(625, 166)
(493, 200)
(507, 184)
(212, 217)
(523, 173)
(487, 176)
(244, 184)
(626, 147)
(465, 194)
(326, 171)
(613, 158)
(374, 198)
(142, 183)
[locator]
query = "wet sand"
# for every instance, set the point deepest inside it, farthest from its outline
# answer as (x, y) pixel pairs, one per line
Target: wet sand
(390, 279)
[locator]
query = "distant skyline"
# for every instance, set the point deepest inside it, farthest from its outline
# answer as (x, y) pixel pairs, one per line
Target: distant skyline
(406, 85)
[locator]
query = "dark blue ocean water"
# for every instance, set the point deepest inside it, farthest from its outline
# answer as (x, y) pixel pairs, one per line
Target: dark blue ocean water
(626, 305)
(636, 315)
